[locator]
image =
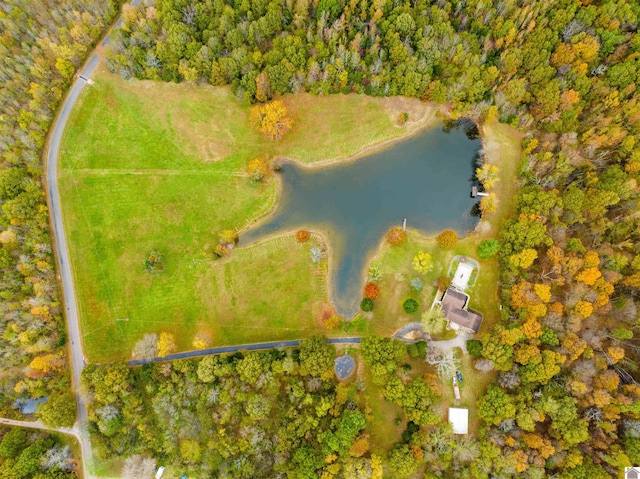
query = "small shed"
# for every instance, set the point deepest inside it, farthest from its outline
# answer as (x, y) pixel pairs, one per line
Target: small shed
(632, 473)
(459, 419)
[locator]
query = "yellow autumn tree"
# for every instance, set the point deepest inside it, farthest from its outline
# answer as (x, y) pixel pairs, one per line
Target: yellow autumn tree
(615, 354)
(166, 344)
(201, 340)
(257, 169)
(591, 259)
(532, 328)
(589, 276)
(422, 262)
(524, 259)
(271, 119)
(47, 363)
(511, 336)
(543, 292)
(584, 309)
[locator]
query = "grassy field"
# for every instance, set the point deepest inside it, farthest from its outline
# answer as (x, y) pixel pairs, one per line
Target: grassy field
(157, 166)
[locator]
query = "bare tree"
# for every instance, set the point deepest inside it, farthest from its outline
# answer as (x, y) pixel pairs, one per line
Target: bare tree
(147, 347)
(484, 365)
(139, 467)
(59, 457)
(445, 362)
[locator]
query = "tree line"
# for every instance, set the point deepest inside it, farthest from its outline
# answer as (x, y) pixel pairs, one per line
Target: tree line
(41, 46)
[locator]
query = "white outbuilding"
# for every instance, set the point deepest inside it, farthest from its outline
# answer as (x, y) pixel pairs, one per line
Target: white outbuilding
(459, 419)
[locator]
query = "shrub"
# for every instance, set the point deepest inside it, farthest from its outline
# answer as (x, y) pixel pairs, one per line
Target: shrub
(154, 262)
(474, 347)
(374, 273)
(447, 239)
(332, 322)
(444, 282)
(371, 291)
(257, 169)
(316, 254)
(417, 350)
(488, 248)
(410, 306)
(396, 236)
(227, 239)
(403, 118)
(302, 236)
(422, 262)
(417, 284)
(366, 305)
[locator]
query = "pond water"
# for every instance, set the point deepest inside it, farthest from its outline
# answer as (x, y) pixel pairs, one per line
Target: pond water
(426, 179)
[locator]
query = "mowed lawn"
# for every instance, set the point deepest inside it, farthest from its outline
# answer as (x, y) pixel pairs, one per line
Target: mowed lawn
(157, 166)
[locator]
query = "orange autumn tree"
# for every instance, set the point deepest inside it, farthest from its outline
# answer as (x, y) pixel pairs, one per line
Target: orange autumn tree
(396, 236)
(271, 119)
(371, 291)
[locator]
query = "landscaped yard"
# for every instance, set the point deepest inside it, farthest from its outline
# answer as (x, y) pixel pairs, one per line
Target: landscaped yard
(156, 166)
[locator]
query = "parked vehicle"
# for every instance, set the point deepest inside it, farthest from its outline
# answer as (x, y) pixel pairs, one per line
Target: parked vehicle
(456, 389)
(159, 472)
(184, 476)
(459, 375)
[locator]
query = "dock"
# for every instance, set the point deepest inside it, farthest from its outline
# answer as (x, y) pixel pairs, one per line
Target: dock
(475, 192)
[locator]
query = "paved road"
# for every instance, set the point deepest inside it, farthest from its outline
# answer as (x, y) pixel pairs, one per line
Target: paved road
(73, 327)
(233, 349)
(38, 425)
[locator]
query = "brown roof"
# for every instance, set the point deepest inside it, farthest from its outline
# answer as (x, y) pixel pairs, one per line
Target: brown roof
(453, 299)
(453, 304)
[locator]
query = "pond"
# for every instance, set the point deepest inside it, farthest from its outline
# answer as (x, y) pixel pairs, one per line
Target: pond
(426, 179)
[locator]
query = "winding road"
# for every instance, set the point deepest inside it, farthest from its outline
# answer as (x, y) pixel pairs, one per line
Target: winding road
(62, 250)
(80, 430)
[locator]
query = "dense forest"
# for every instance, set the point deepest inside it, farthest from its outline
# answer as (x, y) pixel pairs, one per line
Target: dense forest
(41, 45)
(565, 402)
(264, 414)
(32, 454)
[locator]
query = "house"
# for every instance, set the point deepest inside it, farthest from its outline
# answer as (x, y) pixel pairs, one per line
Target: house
(454, 304)
(459, 419)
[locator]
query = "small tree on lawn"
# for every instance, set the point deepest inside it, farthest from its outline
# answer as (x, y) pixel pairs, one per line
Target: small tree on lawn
(271, 119)
(154, 263)
(447, 239)
(444, 282)
(227, 240)
(445, 363)
(410, 306)
(371, 291)
(166, 344)
(302, 236)
(488, 248)
(396, 236)
(366, 305)
(422, 262)
(257, 169)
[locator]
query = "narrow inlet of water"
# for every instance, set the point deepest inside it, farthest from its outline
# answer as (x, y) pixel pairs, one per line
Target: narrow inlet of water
(426, 179)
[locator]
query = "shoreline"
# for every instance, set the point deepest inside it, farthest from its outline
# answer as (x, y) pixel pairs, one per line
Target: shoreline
(429, 120)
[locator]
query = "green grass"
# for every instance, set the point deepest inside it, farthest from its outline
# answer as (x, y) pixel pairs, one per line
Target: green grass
(158, 166)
